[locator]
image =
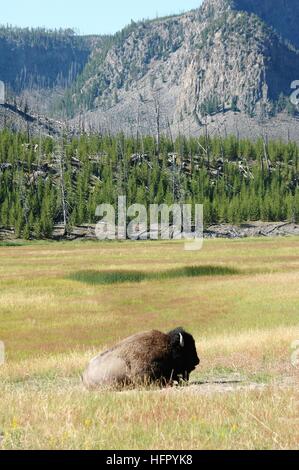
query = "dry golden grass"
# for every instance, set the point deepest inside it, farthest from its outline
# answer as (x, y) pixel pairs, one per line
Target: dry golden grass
(66, 417)
(244, 323)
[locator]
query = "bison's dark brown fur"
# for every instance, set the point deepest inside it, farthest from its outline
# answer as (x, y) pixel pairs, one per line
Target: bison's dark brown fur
(144, 358)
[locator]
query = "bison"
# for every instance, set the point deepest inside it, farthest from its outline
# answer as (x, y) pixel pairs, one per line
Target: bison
(151, 357)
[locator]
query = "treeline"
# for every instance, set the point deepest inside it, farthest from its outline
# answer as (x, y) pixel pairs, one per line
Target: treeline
(44, 182)
(36, 37)
(41, 58)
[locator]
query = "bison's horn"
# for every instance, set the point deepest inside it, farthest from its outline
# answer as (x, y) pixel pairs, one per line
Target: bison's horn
(182, 343)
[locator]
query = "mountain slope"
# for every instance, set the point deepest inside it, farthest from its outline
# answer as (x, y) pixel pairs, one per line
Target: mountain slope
(209, 61)
(283, 15)
(15, 119)
(40, 58)
(38, 65)
(227, 61)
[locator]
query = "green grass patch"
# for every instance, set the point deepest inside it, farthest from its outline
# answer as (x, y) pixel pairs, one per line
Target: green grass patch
(120, 277)
(8, 244)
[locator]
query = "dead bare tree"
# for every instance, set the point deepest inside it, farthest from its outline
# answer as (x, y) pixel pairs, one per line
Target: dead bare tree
(266, 157)
(156, 100)
(207, 139)
(138, 125)
(170, 133)
(59, 160)
(158, 114)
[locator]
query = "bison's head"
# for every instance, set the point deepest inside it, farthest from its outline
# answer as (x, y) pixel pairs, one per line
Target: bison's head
(184, 354)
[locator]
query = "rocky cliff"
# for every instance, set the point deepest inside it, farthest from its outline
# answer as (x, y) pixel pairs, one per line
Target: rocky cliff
(227, 57)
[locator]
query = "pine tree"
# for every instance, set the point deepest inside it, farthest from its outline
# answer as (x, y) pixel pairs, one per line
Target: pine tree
(96, 169)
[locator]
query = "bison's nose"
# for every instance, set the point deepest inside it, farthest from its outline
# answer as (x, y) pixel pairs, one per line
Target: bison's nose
(197, 361)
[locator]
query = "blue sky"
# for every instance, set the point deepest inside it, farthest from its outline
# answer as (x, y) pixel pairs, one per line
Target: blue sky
(88, 16)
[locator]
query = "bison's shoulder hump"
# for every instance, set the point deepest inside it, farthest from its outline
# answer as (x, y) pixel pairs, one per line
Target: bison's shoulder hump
(147, 344)
(146, 336)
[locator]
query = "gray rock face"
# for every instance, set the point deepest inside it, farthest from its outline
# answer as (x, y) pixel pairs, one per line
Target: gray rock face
(250, 229)
(253, 229)
(214, 60)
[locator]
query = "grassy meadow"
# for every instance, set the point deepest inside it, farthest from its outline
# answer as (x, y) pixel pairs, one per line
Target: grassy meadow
(61, 303)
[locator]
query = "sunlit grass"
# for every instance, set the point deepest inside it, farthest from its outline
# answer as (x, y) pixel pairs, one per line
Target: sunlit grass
(60, 304)
(69, 418)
